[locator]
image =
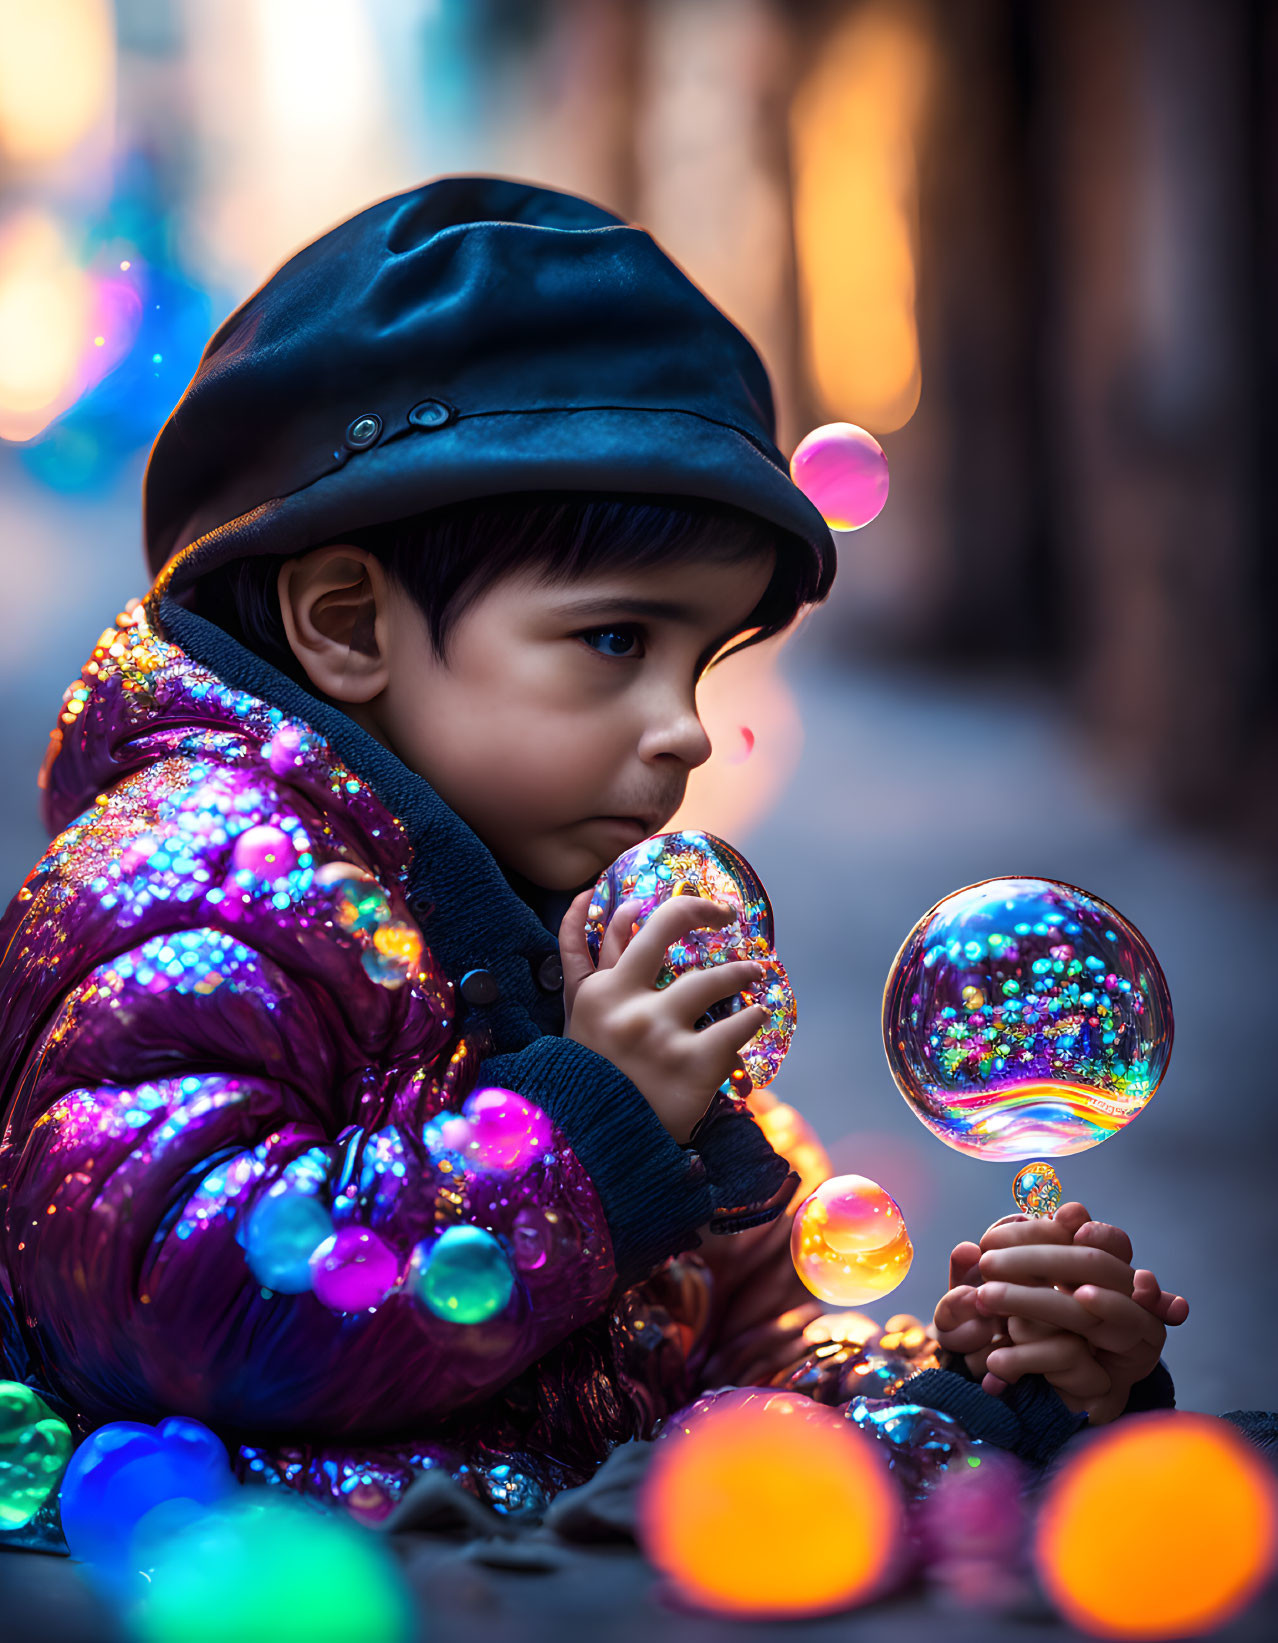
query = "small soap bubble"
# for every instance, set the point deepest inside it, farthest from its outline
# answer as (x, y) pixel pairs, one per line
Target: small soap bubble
(843, 472)
(463, 1275)
(1037, 1190)
(1069, 1040)
(698, 864)
(353, 1270)
(849, 1241)
(284, 1231)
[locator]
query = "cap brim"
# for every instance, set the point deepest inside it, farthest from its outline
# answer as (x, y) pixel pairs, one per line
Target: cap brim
(600, 450)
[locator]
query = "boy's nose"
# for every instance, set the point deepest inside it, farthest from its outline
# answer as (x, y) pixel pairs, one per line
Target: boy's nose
(679, 735)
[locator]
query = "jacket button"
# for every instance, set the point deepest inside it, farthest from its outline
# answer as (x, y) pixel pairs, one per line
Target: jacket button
(363, 431)
(480, 987)
(696, 1164)
(431, 413)
(549, 973)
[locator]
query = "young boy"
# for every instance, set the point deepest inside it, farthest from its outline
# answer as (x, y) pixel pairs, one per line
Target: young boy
(455, 513)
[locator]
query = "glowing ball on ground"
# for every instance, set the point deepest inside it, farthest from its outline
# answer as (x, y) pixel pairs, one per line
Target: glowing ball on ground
(463, 1275)
(1162, 1526)
(698, 864)
(849, 1241)
(127, 1470)
(843, 472)
(269, 1568)
(1037, 1190)
(1025, 1018)
(34, 1449)
(284, 1230)
(765, 1505)
(353, 1270)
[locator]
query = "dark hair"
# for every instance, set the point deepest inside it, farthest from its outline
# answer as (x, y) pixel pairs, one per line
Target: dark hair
(445, 558)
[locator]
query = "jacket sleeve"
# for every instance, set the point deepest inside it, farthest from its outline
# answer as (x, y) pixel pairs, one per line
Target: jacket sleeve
(242, 1036)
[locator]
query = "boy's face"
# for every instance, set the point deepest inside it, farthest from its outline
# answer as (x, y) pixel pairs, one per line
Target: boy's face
(562, 722)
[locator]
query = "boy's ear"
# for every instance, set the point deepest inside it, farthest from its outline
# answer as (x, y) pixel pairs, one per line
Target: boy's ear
(333, 602)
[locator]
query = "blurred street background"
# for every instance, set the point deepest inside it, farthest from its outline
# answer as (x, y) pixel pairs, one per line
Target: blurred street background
(1030, 244)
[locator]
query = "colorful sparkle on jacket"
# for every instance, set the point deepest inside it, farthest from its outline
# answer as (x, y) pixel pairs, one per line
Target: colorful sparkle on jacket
(214, 998)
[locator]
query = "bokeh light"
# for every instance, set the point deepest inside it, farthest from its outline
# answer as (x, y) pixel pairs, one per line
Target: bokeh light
(768, 1505)
(269, 1568)
(34, 1448)
(1162, 1527)
(849, 1241)
(1023, 1016)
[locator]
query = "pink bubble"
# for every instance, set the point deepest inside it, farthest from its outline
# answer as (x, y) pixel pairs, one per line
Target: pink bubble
(508, 1132)
(843, 472)
(283, 751)
(353, 1270)
(266, 852)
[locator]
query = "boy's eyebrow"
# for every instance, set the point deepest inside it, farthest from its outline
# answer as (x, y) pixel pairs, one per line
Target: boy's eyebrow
(669, 609)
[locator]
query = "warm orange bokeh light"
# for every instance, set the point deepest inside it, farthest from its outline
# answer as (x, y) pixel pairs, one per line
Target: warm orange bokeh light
(771, 1506)
(854, 128)
(1164, 1527)
(790, 1134)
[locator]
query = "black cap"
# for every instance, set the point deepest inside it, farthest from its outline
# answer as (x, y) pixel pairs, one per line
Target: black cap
(470, 337)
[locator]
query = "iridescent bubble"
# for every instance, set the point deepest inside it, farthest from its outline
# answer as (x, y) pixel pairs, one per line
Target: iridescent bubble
(849, 1241)
(842, 470)
(284, 1231)
(693, 863)
(1037, 1190)
(463, 1275)
(507, 1131)
(921, 1445)
(353, 1270)
(1068, 1042)
(34, 1448)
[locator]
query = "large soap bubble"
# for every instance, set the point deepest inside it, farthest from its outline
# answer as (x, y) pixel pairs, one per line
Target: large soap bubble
(698, 864)
(1023, 1018)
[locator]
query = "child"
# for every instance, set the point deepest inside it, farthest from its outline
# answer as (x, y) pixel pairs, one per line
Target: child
(455, 512)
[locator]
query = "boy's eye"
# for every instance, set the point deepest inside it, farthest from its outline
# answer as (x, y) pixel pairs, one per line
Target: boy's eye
(622, 641)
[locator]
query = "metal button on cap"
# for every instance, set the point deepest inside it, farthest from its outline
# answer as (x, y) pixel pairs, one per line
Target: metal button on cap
(480, 987)
(432, 413)
(363, 431)
(549, 973)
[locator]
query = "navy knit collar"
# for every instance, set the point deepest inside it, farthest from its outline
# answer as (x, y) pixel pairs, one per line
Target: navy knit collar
(476, 915)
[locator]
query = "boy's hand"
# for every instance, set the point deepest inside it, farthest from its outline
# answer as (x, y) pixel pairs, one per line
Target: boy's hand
(1057, 1297)
(617, 1010)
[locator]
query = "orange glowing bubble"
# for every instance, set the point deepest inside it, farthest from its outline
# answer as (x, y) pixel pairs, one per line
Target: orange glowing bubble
(1164, 1527)
(790, 1134)
(849, 1241)
(769, 1506)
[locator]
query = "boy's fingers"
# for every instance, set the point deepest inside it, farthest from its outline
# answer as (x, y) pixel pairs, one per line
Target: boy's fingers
(1017, 1230)
(1036, 1304)
(1071, 1215)
(1120, 1323)
(574, 954)
(730, 1034)
(618, 934)
(694, 993)
(1100, 1235)
(959, 1326)
(1064, 1359)
(643, 959)
(1071, 1265)
(1163, 1304)
(965, 1264)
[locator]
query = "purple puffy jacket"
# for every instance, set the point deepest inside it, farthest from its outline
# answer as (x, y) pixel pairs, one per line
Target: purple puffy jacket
(190, 1011)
